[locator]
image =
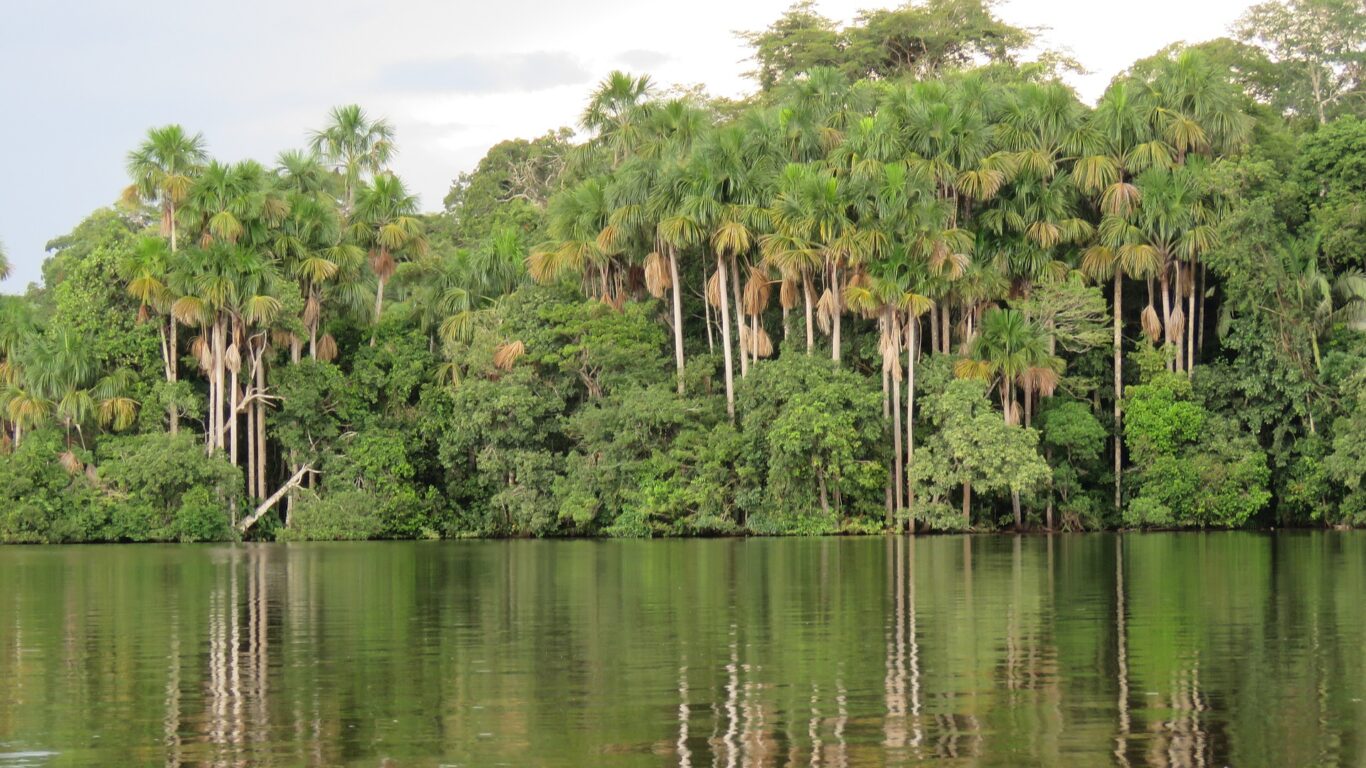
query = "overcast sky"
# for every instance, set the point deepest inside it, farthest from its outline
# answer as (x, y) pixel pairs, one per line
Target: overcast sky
(80, 82)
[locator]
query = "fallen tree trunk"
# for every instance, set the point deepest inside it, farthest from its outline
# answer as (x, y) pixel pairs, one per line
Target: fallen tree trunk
(274, 499)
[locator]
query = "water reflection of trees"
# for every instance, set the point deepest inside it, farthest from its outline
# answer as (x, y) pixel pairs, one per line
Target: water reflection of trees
(1138, 651)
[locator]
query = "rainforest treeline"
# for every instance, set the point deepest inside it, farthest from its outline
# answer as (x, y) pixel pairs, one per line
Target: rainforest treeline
(912, 282)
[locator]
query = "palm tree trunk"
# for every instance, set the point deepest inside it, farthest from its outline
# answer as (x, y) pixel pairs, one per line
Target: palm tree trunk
(218, 380)
(1190, 323)
(754, 337)
(934, 329)
(912, 338)
(251, 448)
(946, 328)
(887, 409)
(706, 311)
(1119, 386)
(232, 398)
(261, 431)
(806, 297)
(967, 504)
(1015, 506)
(1164, 285)
(171, 372)
(379, 307)
(739, 312)
(1204, 288)
(835, 322)
(678, 317)
(725, 337)
(899, 466)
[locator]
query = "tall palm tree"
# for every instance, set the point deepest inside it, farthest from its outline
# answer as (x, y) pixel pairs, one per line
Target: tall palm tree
(356, 146)
(144, 271)
(386, 221)
(1122, 143)
(615, 116)
(163, 170)
(4, 263)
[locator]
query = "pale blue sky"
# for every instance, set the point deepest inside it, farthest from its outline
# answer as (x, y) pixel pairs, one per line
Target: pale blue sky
(80, 82)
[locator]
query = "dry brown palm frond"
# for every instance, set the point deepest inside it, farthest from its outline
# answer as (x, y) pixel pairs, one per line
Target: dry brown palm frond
(232, 358)
(714, 289)
(1015, 414)
(507, 354)
(1176, 327)
(312, 310)
(617, 301)
(758, 291)
(1041, 379)
(199, 347)
(144, 312)
(748, 340)
(281, 338)
(657, 278)
(71, 463)
(790, 293)
(826, 309)
(327, 348)
(1152, 326)
(764, 343)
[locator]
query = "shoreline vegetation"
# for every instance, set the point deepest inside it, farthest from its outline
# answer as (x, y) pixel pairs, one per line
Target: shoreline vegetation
(911, 283)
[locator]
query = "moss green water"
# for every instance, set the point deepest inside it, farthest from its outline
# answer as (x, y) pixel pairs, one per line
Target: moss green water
(1156, 650)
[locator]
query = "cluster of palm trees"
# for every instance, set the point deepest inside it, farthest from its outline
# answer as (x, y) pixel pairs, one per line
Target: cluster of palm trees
(923, 208)
(251, 259)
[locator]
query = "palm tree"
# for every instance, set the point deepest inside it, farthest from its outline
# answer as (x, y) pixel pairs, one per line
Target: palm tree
(163, 169)
(144, 271)
(356, 146)
(1010, 350)
(1322, 302)
(1122, 143)
(386, 221)
(4, 263)
(310, 243)
(614, 114)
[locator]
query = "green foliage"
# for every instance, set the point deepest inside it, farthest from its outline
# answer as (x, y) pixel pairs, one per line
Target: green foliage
(972, 444)
(1191, 468)
(341, 516)
(921, 40)
(904, 171)
(1346, 464)
(165, 488)
(1074, 440)
(811, 434)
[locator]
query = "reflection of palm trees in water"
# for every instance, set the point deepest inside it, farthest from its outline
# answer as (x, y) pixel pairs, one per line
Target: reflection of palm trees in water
(1121, 658)
(902, 680)
(236, 695)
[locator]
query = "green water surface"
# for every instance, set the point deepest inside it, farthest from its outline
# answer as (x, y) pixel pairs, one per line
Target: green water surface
(1241, 649)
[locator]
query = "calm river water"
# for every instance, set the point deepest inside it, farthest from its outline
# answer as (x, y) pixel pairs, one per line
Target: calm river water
(1237, 649)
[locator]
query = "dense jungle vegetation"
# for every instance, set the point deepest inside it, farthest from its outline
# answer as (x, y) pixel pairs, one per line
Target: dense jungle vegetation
(911, 282)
